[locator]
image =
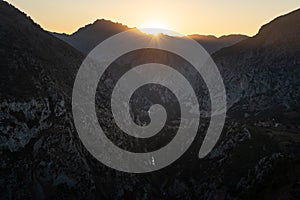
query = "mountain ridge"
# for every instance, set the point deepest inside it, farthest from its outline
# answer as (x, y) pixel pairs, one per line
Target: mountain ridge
(90, 35)
(213, 44)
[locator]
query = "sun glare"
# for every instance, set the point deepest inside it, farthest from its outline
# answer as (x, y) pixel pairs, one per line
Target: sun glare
(155, 27)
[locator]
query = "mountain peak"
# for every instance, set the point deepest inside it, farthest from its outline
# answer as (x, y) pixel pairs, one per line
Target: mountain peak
(106, 21)
(87, 37)
(282, 33)
(285, 28)
(283, 24)
(102, 25)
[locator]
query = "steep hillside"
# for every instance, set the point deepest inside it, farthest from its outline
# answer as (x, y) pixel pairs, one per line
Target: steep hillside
(262, 73)
(28, 53)
(41, 155)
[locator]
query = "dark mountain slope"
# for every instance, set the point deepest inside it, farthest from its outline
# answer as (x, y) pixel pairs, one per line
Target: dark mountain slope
(27, 53)
(41, 155)
(262, 73)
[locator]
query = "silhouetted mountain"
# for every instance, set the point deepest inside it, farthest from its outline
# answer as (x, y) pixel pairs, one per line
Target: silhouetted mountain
(257, 156)
(28, 53)
(86, 38)
(213, 44)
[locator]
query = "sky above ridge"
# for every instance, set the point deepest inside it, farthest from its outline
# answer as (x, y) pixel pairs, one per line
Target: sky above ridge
(205, 17)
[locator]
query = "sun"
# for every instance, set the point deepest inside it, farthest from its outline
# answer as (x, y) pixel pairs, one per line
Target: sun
(155, 27)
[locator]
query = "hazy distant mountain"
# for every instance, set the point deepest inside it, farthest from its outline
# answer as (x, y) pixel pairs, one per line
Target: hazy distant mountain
(213, 44)
(86, 38)
(42, 157)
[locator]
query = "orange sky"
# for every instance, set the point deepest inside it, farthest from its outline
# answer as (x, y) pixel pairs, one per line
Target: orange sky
(209, 17)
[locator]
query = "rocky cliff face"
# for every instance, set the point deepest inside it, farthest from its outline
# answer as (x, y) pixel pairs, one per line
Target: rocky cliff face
(42, 157)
